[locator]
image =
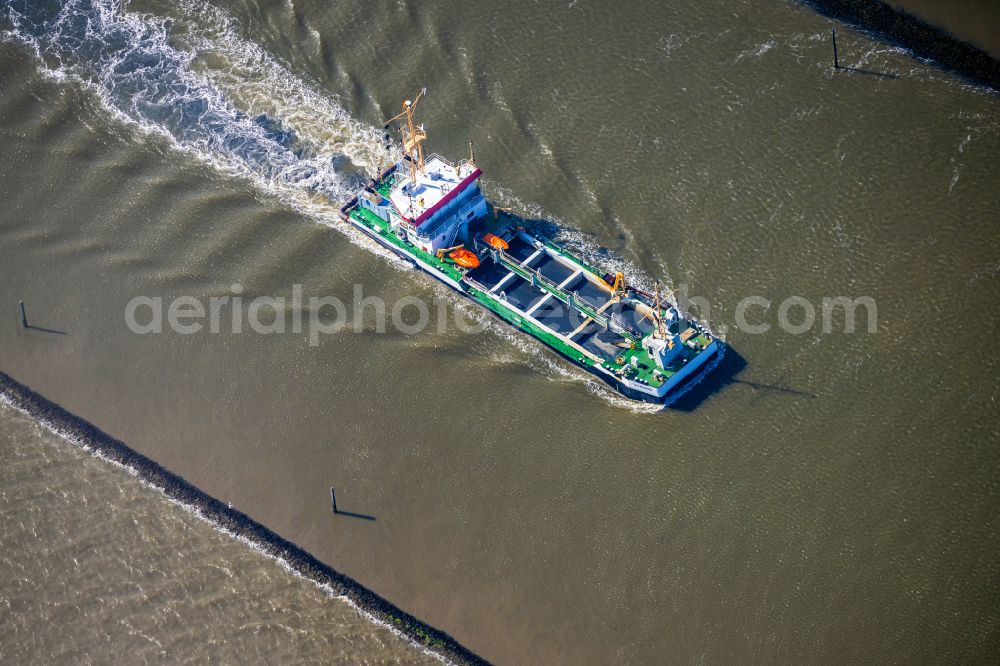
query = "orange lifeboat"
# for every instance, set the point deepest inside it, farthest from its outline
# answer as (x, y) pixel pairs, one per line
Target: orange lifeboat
(464, 258)
(495, 241)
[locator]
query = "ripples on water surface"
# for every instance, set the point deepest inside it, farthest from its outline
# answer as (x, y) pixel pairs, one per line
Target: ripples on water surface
(97, 566)
(834, 485)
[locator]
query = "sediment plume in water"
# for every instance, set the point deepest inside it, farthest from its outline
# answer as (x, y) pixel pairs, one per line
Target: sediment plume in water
(86, 435)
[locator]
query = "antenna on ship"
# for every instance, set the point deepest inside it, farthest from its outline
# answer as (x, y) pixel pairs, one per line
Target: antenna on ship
(413, 136)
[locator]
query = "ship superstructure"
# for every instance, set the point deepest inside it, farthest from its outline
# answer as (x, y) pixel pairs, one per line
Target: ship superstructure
(432, 212)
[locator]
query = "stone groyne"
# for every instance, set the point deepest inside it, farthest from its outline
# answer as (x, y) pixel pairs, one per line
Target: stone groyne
(88, 436)
(922, 38)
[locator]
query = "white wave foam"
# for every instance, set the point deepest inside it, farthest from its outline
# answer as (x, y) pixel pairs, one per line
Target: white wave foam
(196, 511)
(136, 66)
(757, 51)
(247, 72)
(226, 101)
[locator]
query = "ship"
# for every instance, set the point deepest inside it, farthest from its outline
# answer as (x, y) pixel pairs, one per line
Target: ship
(431, 212)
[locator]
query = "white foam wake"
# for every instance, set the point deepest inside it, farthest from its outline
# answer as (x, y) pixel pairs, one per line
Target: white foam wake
(284, 136)
(194, 81)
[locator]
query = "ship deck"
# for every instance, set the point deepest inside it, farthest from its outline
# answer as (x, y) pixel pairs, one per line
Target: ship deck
(563, 296)
(550, 294)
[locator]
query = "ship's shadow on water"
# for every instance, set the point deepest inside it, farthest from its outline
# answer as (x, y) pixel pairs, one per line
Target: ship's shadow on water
(722, 375)
(726, 375)
(702, 384)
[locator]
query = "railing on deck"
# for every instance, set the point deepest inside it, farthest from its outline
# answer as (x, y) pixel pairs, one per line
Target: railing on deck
(475, 283)
(462, 166)
(569, 298)
(467, 207)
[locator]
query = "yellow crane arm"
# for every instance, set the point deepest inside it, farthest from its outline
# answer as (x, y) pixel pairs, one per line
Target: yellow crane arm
(445, 250)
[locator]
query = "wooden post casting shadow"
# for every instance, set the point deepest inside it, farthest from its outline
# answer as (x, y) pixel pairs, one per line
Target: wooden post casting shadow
(349, 514)
(836, 60)
(31, 327)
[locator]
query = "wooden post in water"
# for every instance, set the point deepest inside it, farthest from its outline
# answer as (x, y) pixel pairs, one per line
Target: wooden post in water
(836, 60)
(333, 499)
(24, 317)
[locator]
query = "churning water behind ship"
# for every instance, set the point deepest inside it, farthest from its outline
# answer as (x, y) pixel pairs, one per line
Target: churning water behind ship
(826, 496)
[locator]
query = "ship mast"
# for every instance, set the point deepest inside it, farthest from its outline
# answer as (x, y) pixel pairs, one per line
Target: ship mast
(413, 137)
(656, 314)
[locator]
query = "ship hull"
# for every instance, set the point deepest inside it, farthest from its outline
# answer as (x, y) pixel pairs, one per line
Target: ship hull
(689, 375)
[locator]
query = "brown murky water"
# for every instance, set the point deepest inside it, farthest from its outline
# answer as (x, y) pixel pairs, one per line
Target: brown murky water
(98, 568)
(827, 497)
(974, 21)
